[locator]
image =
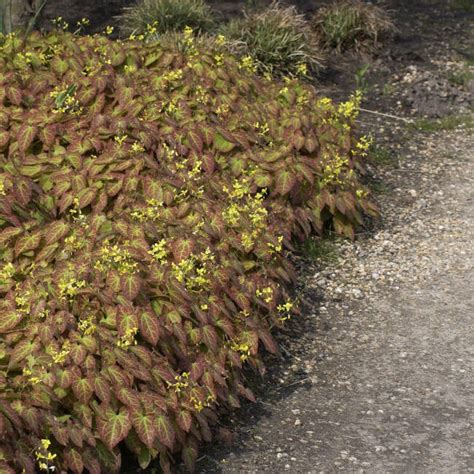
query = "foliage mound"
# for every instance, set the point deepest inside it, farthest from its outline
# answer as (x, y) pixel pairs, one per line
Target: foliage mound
(347, 24)
(166, 15)
(147, 193)
(278, 38)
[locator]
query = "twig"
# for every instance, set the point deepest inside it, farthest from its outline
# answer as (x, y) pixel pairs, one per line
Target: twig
(297, 382)
(33, 20)
(403, 119)
(288, 353)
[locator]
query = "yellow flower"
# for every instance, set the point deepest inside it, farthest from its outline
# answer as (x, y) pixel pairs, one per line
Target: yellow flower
(302, 69)
(158, 251)
(248, 63)
(220, 40)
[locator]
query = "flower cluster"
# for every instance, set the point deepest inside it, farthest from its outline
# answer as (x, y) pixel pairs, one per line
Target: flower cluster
(69, 286)
(44, 456)
(116, 257)
(128, 339)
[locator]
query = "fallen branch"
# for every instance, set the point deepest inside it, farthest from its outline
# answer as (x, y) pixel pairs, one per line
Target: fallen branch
(403, 119)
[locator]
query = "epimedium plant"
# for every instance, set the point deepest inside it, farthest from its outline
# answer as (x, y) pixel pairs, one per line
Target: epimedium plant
(147, 195)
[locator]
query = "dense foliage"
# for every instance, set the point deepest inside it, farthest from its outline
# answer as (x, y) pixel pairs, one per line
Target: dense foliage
(166, 15)
(147, 193)
(278, 38)
(346, 24)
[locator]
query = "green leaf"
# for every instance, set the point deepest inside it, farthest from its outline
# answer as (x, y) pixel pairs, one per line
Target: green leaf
(59, 66)
(165, 431)
(144, 457)
(152, 58)
(114, 427)
(221, 144)
(263, 180)
(145, 427)
(237, 165)
(31, 171)
(62, 97)
(4, 139)
(189, 456)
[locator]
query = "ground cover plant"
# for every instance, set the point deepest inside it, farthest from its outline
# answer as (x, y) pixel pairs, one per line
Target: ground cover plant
(277, 38)
(347, 24)
(147, 195)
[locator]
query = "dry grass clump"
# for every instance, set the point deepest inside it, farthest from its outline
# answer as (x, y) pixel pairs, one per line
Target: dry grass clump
(352, 24)
(278, 38)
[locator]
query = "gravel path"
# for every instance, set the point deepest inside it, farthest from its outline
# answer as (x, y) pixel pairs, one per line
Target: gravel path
(386, 364)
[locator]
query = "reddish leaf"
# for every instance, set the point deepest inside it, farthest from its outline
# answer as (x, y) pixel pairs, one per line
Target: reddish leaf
(9, 320)
(165, 431)
(14, 95)
(23, 191)
(86, 196)
(9, 233)
(195, 141)
(56, 231)
(27, 243)
(130, 285)
(285, 180)
(26, 136)
(83, 390)
(128, 397)
(209, 337)
(145, 427)
(127, 322)
(184, 420)
(182, 249)
(102, 388)
(149, 327)
(74, 461)
(114, 427)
